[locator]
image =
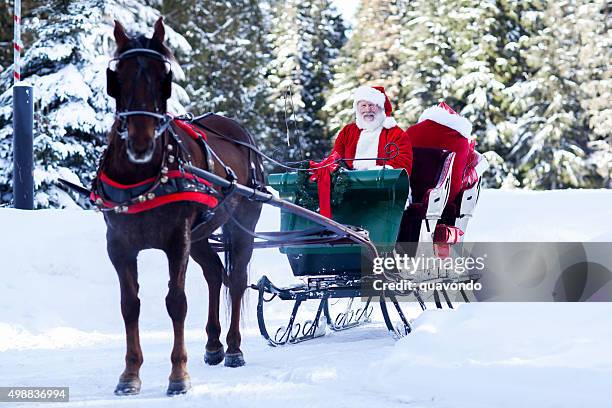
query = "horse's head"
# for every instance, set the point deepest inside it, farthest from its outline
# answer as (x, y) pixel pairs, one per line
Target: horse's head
(140, 80)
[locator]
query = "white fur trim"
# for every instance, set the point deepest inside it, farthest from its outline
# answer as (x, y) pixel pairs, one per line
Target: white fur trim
(367, 147)
(483, 164)
(444, 117)
(367, 93)
(389, 122)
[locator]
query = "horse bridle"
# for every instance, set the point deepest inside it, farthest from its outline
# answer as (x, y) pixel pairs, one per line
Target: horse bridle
(113, 88)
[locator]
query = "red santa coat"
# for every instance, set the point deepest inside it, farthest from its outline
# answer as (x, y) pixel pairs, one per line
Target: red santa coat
(346, 146)
(441, 127)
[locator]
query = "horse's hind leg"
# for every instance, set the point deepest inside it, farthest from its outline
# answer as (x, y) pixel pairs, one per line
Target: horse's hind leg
(212, 268)
(241, 251)
(176, 304)
(126, 266)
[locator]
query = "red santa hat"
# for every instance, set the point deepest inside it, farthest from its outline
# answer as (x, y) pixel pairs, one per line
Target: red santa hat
(445, 115)
(376, 95)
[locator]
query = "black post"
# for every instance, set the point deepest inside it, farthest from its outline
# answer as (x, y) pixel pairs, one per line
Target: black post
(23, 120)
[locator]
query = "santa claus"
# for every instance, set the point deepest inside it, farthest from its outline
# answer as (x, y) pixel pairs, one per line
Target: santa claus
(374, 135)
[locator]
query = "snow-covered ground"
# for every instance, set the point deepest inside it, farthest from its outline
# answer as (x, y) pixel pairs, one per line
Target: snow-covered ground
(60, 325)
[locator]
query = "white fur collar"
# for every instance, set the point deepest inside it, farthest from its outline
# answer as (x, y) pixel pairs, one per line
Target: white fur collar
(367, 148)
(443, 117)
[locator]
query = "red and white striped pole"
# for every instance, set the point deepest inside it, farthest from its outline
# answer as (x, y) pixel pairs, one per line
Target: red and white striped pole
(17, 42)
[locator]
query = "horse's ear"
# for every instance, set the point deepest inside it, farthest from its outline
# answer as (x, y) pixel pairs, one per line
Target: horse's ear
(121, 38)
(160, 31)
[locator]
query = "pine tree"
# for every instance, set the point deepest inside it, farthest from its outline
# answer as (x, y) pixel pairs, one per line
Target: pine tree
(429, 59)
(465, 53)
(513, 68)
(225, 67)
(552, 138)
(305, 37)
(6, 35)
(7, 10)
(593, 24)
(372, 56)
(66, 65)
(323, 38)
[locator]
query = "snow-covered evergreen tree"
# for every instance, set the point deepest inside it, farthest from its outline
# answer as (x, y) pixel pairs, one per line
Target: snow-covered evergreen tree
(514, 69)
(225, 70)
(594, 23)
(66, 65)
(551, 148)
(466, 54)
(429, 59)
(372, 56)
(7, 11)
(6, 35)
(305, 37)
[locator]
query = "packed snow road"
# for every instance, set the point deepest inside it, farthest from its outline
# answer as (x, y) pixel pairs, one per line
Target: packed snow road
(60, 325)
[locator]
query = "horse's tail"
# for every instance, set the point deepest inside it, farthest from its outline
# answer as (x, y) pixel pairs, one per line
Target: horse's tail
(227, 244)
(228, 270)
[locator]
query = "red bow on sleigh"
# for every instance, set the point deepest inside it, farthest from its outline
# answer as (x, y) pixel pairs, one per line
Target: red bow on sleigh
(322, 175)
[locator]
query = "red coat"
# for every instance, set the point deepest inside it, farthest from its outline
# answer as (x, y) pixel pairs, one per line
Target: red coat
(432, 134)
(346, 146)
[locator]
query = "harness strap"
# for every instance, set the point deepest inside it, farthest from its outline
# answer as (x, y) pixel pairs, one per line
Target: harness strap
(180, 186)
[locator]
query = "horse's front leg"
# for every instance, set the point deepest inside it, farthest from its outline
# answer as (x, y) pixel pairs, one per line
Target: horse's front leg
(176, 304)
(126, 267)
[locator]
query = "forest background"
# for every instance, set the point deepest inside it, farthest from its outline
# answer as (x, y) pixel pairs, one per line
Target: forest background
(532, 76)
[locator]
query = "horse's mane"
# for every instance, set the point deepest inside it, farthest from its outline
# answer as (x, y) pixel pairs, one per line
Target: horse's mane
(141, 41)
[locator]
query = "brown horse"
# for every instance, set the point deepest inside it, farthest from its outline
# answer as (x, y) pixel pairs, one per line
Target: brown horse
(147, 151)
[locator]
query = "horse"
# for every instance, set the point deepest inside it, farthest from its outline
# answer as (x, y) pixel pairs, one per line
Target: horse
(150, 201)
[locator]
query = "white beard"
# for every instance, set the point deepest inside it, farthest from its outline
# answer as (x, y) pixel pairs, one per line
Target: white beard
(377, 123)
(367, 145)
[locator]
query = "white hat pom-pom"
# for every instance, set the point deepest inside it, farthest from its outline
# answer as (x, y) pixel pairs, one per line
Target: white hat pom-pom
(389, 122)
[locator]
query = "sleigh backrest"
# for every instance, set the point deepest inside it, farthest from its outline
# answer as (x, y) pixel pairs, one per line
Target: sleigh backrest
(433, 135)
(467, 169)
(428, 167)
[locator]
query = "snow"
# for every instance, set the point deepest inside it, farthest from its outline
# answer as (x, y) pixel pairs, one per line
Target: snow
(60, 325)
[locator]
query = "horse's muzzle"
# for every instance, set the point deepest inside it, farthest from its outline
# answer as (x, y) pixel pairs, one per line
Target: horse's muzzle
(140, 152)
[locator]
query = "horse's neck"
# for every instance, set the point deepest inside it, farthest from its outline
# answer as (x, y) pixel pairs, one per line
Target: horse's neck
(119, 168)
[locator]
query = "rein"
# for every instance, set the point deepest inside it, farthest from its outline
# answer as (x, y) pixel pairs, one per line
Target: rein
(391, 149)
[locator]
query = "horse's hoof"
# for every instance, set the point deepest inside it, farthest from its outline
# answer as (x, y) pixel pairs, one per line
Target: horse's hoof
(128, 387)
(234, 360)
(214, 357)
(178, 387)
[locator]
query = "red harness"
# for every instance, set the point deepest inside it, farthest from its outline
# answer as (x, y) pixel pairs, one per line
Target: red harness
(169, 187)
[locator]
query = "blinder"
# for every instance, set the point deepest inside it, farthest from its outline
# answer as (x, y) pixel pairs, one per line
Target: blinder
(112, 84)
(167, 85)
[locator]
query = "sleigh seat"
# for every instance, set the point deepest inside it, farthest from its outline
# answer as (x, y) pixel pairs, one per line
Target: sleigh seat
(461, 179)
(430, 185)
